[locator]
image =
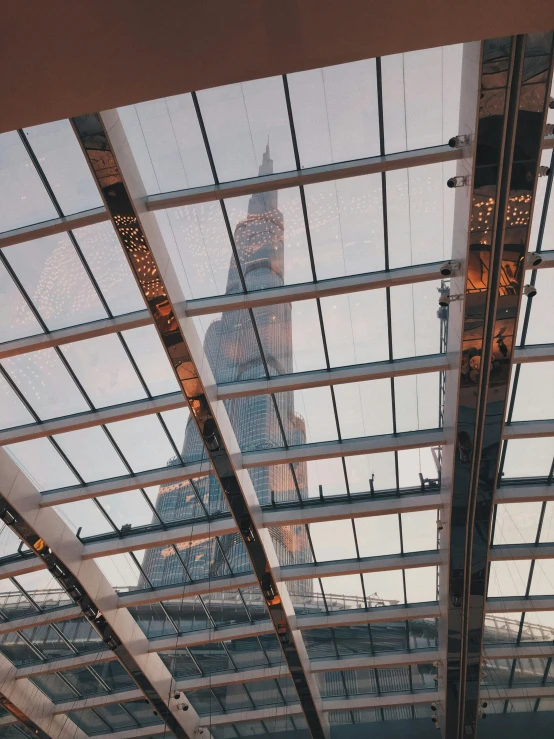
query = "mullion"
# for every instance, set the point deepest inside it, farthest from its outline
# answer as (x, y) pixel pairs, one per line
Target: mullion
(32, 646)
(182, 563)
(243, 601)
(199, 498)
(117, 450)
(65, 640)
(207, 612)
(220, 547)
(102, 721)
(295, 481)
(121, 706)
(195, 661)
(402, 552)
(105, 514)
(540, 523)
(546, 203)
(169, 617)
(229, 657)
(66, 459)
(64, 680)
(152, 508)
(139, 568)
(17, 282)
(262, 648)
(103, 684)
(216, 700)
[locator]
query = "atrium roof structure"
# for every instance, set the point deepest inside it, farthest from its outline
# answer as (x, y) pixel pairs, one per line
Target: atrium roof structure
(277, 428)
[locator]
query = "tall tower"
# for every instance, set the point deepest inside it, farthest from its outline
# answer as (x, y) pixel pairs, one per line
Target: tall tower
(231, 346)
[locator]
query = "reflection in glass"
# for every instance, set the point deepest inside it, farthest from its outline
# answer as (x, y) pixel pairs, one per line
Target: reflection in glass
(54, 278)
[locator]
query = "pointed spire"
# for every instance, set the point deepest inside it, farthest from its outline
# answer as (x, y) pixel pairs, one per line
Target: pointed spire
(266, 166)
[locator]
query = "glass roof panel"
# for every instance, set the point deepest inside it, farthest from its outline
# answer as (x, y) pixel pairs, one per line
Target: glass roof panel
(421, 97)
(540, 329)
(150, 357)
(44, 589)
(91, 453)
(14, 412)
(107, 262)
(62, 161)
(420, 212)
(56, 281)
(23, 196)
(166, 141)
(508, 579)
(333, 540)
(421, 335)
(364, 408)
(378, 468)
(542, 582)
(9, 541)
(86, 516)
(547, 529)
(529, 404)
(265, 223)
(104, 370)
(415, 462)
(421, 584)
(143, 443)
(240, 120)
(45, 383)
(417, 401)
(346, 226)
(198, 244)
(129, 508)
(528, 457)
(312, 415)
(419, 531)
(378, 535)
(16, 318)
(42, 463)
(335, 113)
(351, 338)
(384, 588)
(517, 523)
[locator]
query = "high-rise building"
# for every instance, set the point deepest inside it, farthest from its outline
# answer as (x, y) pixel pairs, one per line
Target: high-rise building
(238, 350)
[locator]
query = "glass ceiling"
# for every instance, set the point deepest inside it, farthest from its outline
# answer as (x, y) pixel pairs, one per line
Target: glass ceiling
(92, 411)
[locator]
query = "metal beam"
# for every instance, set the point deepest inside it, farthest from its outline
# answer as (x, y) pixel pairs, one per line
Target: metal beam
(523, 493)
(501, 186)
(55, 226)
(134, 409)
(74, 333)
(539, 353)
(66, 663)
(365, 702)
(165, 476)
(531, 603)
(313, 512)
(21, 566)
(521, 651)
(347, 448)
(381, 614)
(528, 429)
(303, 177)
(189, 533)
(368, 662)
(104, 143)
(40, 619)
(385, 563)
(177, 592)
(210, 636)
(339, 376)
(310, 290)
(62, 552)
(509, 552)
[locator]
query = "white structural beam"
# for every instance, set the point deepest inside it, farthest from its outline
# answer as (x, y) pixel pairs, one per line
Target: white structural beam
(66, 663)
(165, 476)
(521, 651)
(350, 447)
(368, 662)
(363, 702)
(97, 701)
(522, 692)
(537, 353)
(331, 511)
(74, 333)
(177, 592)
(21, 566)
(379, 614)
(528, 429)
(358, 567)
(32, 703)
(305, 291)
(516, 605)
(302, 177)
(144, 731)
(211, 636)
(40, 619)
(55, 226)
(523, 493)
(339, 376)
(507, 553)
(134, 409)
(149, 539)
(20, 493)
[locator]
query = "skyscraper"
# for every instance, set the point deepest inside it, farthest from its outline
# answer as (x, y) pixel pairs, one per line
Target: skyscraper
(232, 346)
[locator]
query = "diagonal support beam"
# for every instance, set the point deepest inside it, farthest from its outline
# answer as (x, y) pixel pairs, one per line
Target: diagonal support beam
(84, 582)
(508, 145)
(105, 145)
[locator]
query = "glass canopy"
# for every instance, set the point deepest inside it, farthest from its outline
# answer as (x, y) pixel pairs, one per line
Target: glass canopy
(306, 277)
